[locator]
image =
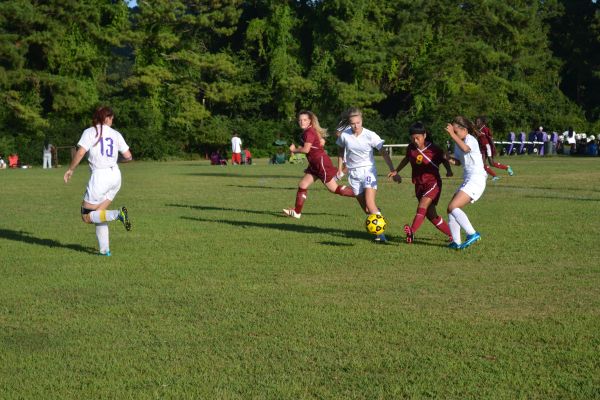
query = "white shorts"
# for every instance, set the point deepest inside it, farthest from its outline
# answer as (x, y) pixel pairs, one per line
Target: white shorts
(104, 184)
(474, 187)
(361, 178)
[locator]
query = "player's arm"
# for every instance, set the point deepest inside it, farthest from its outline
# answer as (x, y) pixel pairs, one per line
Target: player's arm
(401, 165)
(388, 160)
(74, 163)
(459, 142)
(304, 149)
(126, 157)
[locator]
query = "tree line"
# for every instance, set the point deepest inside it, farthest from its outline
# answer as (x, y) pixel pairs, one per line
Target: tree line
(182, 75)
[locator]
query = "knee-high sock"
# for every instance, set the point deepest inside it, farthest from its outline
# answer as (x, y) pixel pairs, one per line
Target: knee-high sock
(344, 191)
(104, 215)
(489, 170)
(300, 198)
(499, 166)
(102, 235)
(440, 224)
(454, 228)
(418, 220)
(463, 221)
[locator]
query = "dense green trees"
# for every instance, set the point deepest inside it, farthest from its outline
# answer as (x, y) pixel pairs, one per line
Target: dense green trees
(183, 74)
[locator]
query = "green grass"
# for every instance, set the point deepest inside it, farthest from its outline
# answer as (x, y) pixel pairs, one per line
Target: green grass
(214, 294)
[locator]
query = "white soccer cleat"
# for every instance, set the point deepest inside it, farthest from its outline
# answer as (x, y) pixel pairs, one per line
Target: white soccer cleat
(290, 212)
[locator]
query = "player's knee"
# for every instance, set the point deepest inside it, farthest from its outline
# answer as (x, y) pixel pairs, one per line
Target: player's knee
(85, 215)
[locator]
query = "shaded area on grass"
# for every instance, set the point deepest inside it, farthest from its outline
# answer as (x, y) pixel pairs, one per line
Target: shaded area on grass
(25, 237)
(212, 208)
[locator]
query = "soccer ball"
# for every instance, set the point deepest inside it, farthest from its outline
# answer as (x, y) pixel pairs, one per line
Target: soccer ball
(375, 224)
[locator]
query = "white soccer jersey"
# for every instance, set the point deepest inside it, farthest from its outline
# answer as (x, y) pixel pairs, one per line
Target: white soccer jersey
(472, 161)
(103, 152)
(236, 145)
(358, 150)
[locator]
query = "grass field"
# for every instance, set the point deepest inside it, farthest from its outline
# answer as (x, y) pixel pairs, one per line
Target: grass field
(215, 295)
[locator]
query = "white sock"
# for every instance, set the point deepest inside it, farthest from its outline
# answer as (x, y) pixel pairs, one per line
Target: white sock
(463, 221)
(104, 216)
(102, 235)
(454, 229)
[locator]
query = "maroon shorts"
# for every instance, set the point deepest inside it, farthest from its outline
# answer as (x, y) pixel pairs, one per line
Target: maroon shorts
(432, 190)
(236, 158)
(322, 168)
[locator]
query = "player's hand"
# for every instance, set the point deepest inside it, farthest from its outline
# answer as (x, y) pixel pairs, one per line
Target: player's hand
(450, 129)
(340, 174)
(397, 178)
(292, 148)
(68, 175)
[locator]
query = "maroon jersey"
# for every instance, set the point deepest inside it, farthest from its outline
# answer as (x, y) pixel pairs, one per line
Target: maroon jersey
(487, 132)
(425, 163)
(319, 163)
(483, 143)
(316, 150)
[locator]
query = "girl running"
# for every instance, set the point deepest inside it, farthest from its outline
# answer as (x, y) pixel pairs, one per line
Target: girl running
(356, 150)
(319, 164)
(488, 149)
(425, 159)
(103, 145)
(467, 154)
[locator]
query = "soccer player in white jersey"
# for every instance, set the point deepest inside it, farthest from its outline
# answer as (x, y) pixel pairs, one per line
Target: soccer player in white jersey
(103, 145)
(356, 144)
(467, 154)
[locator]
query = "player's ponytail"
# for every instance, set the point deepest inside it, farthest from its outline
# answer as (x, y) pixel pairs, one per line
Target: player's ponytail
(99, 118)
(465, 123)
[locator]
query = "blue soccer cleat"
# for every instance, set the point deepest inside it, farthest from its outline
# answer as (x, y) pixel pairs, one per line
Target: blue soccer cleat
(470, 240)
(124, 218)
(510, 171)
(454, 246)
(381, 239)
(107, 254)
(495, 179)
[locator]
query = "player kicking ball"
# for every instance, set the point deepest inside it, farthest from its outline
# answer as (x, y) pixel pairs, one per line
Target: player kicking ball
(425, 159)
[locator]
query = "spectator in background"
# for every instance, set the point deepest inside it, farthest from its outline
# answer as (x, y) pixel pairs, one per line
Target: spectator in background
(47, 154)
(236, 150)
(2, 162)
(570, 140)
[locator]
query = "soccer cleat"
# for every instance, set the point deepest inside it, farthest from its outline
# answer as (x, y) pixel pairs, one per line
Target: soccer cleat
(107, 254)
(290, 212)
(381, 239)
(495, 179)
(454, 246)
(470, 240)
(124, 218)
(510, 171)
(410, 237)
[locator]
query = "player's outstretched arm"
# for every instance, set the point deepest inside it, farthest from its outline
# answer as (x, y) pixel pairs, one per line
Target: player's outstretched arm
(74, 163)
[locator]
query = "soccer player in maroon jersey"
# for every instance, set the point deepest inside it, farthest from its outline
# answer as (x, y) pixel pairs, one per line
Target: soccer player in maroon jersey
(319, 164)
(488, 149)
(425, 159)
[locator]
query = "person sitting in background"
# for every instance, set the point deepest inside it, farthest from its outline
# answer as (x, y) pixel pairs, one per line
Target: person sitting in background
(2, 162)
(247, 156)
(13, 161)
(279, 157)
